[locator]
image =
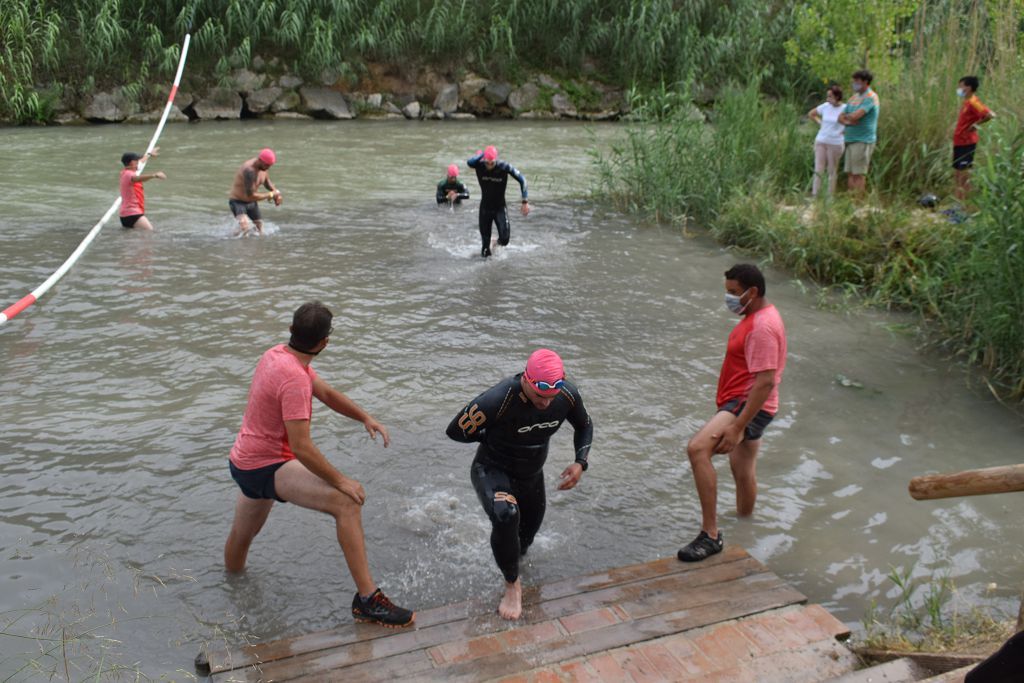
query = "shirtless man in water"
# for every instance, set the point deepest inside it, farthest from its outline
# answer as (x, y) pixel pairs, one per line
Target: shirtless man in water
(513, 422)
(244, 197)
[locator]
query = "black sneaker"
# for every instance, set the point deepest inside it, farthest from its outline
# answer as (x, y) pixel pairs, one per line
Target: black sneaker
(379, 610)
(701, 547)
(485, 252)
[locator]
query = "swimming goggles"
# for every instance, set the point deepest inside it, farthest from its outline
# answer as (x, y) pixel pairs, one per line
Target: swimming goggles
(544, 386)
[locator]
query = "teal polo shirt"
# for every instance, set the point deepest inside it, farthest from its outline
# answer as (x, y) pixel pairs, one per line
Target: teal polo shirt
(865, 130)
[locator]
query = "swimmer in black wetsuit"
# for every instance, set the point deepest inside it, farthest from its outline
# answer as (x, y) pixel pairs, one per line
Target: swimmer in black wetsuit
(493, 176)
(513, 422)
(450, 190)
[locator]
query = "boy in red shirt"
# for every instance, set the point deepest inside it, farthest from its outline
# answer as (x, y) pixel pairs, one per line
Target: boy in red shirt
(747, 400)
(133, 197)
(965, 138)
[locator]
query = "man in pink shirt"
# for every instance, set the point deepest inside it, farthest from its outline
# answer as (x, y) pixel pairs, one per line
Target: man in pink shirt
(274, 458)
(747, 400)
(133, 197)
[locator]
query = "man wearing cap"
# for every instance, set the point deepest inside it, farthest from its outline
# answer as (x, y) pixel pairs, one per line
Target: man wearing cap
(513, 422)
(133, 197)
(274, 458)
(244, 196)
(493, 177)
(747, 400)
(451, 190)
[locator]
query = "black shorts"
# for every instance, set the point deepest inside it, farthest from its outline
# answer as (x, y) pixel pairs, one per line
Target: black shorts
(963, 157)
(130, 221)
(755, 428)
(250, 209)
(257, 483)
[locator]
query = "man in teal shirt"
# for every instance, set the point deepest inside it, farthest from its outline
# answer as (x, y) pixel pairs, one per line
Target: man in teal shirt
(861, 120)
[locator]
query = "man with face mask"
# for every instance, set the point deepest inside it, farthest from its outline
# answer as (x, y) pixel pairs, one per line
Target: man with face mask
(748, 397)
(274, 458)
(965, 136)
(861, 133)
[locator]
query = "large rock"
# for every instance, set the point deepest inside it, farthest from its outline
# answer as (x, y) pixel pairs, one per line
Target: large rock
(447, 99)
(289, 81)
(548, 82)
(260, 101)
(288, 101)
(374, 100)
(245, 81)
(524, 98)
(323, 103)
(472, 85)
(391, 108)
(153, 116)
(412, 110)
(497, 92)
(219, 103)
(434, 115)
(109, 107)
(563, 106)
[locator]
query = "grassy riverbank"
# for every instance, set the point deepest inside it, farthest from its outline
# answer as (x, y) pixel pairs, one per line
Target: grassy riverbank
(746, 177)
(93, 43)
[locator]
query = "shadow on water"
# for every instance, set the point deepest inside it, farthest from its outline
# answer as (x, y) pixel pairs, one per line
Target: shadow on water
(123, 389)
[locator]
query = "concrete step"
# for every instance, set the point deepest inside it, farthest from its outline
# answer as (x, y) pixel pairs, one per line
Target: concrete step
(955, 676)
(894, 671)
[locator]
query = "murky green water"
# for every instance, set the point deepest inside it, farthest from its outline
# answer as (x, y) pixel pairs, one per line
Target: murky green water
(123, 389)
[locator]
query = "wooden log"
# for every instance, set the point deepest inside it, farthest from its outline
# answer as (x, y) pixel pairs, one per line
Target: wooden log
(938, 662)
(1005, 479)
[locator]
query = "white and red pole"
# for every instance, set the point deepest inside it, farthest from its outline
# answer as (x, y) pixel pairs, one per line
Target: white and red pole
(37, 293)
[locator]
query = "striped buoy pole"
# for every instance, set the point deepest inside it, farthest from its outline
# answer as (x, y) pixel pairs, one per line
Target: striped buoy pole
(37, 293)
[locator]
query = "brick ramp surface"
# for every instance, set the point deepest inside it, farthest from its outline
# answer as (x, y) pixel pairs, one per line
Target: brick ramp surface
(727, 618)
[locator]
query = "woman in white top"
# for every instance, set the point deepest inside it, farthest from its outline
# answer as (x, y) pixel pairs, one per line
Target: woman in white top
(828, 145)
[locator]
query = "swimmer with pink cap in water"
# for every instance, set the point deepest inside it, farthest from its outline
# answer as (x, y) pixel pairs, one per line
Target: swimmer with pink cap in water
(493, 177)
(512, 423)
(451, 190)
(244, 196)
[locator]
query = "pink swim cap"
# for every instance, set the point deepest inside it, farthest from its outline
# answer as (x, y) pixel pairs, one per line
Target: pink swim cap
(453, 171)
(491, 153)
(267, 156)
(544, 365)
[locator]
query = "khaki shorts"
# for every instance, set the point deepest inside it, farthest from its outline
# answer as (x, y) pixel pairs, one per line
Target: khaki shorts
(858, 157)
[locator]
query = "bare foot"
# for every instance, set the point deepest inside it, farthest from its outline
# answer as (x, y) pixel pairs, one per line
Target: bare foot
(494, 245)
(511, 605)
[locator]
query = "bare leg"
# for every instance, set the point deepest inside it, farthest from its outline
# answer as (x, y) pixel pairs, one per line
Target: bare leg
(700, 449)
(743, 461)
(250, 514)
(259, 227)
(143, 223)
(298, 485)
(243, 224)
(511, 605)
(963, 184)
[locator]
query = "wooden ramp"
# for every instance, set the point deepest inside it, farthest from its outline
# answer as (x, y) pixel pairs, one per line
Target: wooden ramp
(727, 618)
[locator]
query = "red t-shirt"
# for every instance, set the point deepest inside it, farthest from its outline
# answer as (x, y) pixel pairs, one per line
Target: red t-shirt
(971, 113)
(133, 197)
(757, 343)
(282, 389)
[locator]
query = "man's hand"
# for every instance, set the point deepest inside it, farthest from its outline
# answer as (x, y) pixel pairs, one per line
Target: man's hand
(278, 197)
(160, 175)
(570, 476)
(524, 208)
(730, 437)
(353, 489)
(452, 194)
(155, 152)
(374, 428)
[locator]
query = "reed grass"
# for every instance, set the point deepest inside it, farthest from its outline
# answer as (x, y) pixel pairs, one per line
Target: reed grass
(746, 175)
(636, 41)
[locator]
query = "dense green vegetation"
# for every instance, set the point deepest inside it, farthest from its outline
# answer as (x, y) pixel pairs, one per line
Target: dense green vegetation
(87, 42)
(746, 178)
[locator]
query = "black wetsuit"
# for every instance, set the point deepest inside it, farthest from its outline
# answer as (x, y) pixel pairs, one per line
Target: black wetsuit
(444, 187)
(507, 472)
(492, 198)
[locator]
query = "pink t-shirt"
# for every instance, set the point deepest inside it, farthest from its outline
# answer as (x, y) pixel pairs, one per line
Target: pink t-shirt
(282, 389)
(133, 198)
(757, 343)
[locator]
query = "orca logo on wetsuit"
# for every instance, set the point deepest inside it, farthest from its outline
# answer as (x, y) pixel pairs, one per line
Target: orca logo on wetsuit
(539, 425)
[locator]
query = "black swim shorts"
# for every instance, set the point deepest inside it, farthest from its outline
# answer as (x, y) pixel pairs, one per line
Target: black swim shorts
(130, 221)
(257, 483)
(755, 428)
(250, 209)
(963, 156)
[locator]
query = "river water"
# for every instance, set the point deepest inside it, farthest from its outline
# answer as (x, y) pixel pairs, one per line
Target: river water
(123, 389)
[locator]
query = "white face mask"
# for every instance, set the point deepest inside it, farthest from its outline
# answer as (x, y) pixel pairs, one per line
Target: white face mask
(960, 92)
(733, 302)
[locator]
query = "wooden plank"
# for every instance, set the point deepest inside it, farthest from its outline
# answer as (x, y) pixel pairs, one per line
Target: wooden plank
(490, 633)
(644, 597)
(226, 659)
(753, 599)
